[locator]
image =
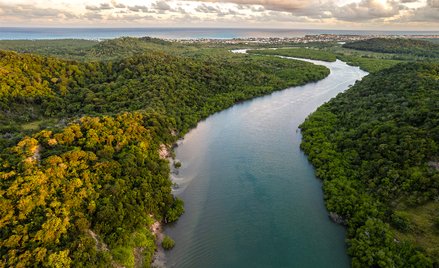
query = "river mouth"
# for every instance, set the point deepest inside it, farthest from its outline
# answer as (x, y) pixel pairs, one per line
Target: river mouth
(251, 196)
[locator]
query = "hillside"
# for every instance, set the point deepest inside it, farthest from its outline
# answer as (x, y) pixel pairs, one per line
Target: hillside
(86, 50)
(44, 90)
(376, 149)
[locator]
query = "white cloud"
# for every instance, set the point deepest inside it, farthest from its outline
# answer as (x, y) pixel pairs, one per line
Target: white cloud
(239, 13)
(138, 8)
(367, 10)
(105, 6)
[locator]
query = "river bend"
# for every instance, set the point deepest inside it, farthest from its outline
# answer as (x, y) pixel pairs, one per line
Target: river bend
(251, 196)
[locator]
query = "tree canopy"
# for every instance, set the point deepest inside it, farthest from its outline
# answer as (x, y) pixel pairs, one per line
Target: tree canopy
(373, 146)
(412, 47)
(81, 176)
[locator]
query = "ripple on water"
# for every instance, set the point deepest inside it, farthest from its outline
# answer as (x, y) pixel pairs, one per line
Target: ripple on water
(251, 197)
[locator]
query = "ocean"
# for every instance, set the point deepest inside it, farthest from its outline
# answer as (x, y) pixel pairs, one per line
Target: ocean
(17, 33)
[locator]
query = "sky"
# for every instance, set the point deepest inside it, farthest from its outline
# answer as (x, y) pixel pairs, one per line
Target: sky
(293, 14)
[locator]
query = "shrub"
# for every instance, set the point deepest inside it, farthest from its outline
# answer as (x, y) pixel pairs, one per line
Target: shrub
(168, 243)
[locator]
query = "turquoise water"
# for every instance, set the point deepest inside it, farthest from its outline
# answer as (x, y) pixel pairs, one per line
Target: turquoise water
(251, 196)
(14, 33)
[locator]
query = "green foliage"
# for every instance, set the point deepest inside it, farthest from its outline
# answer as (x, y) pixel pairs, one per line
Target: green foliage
(86, 177)
(400, 221)
(82, 177)
(144, 242)
(371, 145)
(86, 49)
(75, 48)
(373, 245)
(168, 243)
(124, 47)
(28, 78)
(123, 256)
(365, 62)
(175, 211)
(368, 64)
(418, 48)
(313, 54)
(183, 89)
(421, 230)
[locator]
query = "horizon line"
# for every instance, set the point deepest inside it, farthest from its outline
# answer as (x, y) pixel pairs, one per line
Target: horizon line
(213, 28)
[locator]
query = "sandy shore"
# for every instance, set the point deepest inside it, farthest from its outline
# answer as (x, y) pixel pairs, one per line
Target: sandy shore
(159, 258)
(165, 152)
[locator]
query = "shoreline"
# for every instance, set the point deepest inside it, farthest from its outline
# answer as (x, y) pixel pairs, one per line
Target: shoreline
(166, 152)
(159, 258)
(188, 237)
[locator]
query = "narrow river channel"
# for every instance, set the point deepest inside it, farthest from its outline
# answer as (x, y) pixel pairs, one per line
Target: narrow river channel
(251, 196)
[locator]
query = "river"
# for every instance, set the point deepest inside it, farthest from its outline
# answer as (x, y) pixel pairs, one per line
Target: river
(251, 196)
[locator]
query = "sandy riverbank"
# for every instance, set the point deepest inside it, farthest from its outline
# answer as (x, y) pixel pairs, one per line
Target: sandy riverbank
(159, 258)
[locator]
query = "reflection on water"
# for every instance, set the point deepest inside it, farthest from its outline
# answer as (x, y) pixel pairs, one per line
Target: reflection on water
(251, 197)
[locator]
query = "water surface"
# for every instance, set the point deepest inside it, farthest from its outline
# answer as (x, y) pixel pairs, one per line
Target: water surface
(34, 33)
(251, 196)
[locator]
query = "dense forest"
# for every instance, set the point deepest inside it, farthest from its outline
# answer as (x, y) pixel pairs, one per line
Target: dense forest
(99, 175)
(38, 88)
(82, 124)
(86, 50)
(376, 148)
(419, 48)
(82, 179)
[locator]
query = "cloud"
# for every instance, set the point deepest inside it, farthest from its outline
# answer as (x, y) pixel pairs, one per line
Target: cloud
(161, 5)
(257, 9)
(363, 10)
(32, 12)
(220, 12)
(367, 10)
(267, 13)
(428, 13)
(279, 5)
(129, 17)
(104, 6)
(118, 5)
(433, 3)
(138, 8)
(276, 16)
(92, 16)
(203, 8)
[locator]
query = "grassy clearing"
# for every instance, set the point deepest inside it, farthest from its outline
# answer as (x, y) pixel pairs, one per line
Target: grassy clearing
(138, 252)
(370, 65)
(424, 229)
(34, 125)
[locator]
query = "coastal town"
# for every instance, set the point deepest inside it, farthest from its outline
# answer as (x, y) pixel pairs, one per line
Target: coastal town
(304, 39)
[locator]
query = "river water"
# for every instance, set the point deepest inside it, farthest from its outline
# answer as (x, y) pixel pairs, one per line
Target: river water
(251, 196)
